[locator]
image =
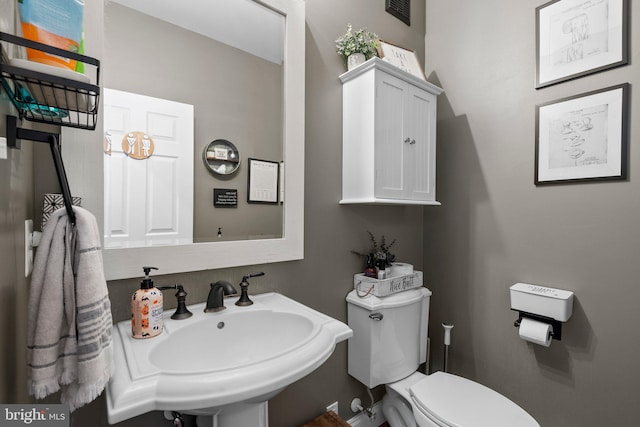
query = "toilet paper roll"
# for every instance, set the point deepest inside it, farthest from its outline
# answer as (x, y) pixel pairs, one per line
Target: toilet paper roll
(401, 269)
(536, 332)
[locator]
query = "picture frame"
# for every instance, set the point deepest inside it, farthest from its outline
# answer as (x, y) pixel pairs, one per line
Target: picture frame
(575, 38)
(406, 59)
(583, 137)
(263, 181)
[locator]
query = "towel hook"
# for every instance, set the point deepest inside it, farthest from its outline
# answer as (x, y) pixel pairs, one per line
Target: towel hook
(14, 133)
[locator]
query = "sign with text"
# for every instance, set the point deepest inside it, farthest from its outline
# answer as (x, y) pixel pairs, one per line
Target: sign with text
(384, 287)
(225, 198)
(405, 59)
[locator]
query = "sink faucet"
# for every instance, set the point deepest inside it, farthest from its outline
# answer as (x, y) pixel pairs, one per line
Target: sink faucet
(182, 312)
(244, 296)
(215, 300)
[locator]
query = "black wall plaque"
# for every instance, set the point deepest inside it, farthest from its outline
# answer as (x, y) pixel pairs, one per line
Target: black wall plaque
(225, 198)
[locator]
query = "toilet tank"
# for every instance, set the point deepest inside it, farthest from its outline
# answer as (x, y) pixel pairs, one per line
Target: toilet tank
(389, 335)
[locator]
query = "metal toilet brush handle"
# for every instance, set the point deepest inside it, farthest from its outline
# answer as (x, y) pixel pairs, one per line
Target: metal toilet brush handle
(447, 343)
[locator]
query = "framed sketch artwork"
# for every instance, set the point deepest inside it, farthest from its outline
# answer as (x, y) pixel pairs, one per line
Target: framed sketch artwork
(575, 38)
(583, 137)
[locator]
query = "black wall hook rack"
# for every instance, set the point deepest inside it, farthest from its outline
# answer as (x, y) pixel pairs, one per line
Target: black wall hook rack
(14, 134)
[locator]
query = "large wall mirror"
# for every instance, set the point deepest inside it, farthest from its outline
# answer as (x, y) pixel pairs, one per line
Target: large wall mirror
(239, 65)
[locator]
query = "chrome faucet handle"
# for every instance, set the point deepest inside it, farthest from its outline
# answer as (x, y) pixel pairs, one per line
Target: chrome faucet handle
(244, 300)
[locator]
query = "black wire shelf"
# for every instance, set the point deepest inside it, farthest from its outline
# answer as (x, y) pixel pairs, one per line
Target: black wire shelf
(45, 98)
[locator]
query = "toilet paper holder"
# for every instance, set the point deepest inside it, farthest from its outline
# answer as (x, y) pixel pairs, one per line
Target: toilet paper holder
(556, 325)
(548, 305)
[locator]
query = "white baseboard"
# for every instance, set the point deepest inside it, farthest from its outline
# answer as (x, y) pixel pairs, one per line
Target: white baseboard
(361, 420)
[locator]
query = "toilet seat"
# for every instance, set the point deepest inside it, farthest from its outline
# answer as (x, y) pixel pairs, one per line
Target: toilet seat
(453, 401)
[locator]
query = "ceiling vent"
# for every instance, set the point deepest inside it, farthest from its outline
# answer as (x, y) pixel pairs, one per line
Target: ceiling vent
(400, 9)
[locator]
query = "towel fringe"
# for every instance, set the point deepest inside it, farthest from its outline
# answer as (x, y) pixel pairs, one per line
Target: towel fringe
(42, 389)
(79, 395)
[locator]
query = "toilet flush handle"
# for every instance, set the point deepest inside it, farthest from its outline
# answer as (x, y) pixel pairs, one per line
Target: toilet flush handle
(376, 316)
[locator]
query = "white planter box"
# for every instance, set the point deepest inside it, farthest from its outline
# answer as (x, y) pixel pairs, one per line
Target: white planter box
(369, 286)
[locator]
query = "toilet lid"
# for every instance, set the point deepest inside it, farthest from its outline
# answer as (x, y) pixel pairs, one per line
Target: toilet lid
(458, 402)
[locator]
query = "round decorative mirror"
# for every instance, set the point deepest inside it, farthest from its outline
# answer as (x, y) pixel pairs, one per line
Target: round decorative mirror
(221, 157)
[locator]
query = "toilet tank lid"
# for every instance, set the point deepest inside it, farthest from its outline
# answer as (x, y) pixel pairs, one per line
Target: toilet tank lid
(400, 299)
(458, 402)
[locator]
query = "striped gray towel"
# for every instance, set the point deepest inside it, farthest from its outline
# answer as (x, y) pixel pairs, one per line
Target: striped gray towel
(69, 330)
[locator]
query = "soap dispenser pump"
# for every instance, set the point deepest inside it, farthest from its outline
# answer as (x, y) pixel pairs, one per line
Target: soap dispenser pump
(146, 308)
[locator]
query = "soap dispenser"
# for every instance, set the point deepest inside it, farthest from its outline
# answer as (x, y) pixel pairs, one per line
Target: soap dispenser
(146, 308)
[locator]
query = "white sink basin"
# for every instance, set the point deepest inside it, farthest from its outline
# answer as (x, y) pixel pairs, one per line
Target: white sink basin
(236, 339)
(241, 355)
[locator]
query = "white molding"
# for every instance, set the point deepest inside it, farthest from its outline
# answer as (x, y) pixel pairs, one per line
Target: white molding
(381, 64)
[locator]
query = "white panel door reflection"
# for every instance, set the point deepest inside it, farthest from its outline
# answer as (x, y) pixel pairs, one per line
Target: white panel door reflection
(148, 171)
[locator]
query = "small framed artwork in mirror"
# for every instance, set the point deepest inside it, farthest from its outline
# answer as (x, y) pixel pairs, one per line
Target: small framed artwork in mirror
(263, 182)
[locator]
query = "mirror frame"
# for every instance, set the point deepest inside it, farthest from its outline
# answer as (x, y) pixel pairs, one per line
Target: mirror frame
(127, 263)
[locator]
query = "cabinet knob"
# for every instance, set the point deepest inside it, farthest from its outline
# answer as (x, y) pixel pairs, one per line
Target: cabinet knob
(413, 141)
(406, 140)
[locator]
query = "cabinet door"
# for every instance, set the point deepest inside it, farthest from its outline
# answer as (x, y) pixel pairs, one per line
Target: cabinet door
(390, 166)
(404, 141)
(419, 158)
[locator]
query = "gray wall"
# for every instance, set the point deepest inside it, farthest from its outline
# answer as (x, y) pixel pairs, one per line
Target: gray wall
(496, 227)
(16, 193)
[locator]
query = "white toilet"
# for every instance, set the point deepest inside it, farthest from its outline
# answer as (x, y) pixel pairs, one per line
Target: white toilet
(389, 343)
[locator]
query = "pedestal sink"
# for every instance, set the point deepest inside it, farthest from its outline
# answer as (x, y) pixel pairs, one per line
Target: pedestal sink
(222, 366)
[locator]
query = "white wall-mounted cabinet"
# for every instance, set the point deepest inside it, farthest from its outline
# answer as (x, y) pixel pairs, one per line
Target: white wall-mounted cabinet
(388, 136)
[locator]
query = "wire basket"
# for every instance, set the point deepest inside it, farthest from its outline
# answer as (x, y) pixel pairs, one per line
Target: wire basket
(42, 97)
